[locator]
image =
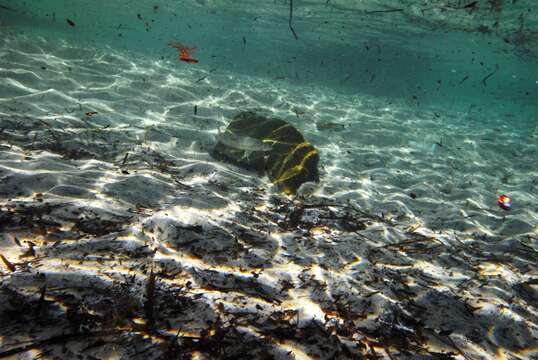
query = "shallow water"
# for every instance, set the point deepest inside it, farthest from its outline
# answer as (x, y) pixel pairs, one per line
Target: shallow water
(423, 115)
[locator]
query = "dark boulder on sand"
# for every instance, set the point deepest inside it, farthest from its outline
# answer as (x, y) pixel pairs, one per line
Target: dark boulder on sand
(263, 144)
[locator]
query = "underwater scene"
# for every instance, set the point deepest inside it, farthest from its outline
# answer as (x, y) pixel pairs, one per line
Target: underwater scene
(269, 179)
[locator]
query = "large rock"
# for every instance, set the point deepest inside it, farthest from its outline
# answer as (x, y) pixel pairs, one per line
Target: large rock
(271, 145)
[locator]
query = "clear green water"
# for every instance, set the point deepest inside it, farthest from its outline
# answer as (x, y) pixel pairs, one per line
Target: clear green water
(425, 54)
(423, 114)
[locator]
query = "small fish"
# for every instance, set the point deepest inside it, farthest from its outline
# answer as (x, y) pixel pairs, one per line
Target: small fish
(70, 22)
(327, 125)
(245, 143)
(90, 113)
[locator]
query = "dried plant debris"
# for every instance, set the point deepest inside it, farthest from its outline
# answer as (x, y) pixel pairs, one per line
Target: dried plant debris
(271, 276)
(80, 141)
(172, 310)
(70, 221)
(97, 226)
(7, 263)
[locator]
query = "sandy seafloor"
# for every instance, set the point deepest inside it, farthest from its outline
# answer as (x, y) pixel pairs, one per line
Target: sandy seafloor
(355, 267)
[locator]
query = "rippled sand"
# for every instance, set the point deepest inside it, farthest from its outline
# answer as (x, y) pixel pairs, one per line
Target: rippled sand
(127, 239)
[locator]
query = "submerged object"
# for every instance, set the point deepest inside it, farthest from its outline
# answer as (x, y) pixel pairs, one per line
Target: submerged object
(184, 53)
(270, 145)
(504, 202)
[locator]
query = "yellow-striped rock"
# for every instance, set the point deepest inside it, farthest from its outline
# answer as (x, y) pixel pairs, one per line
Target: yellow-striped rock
(259, 143)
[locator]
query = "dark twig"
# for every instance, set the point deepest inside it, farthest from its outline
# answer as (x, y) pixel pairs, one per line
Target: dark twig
(384, 11)
(149, 304)
(124, 158)
(41, 301)
(7, 263)
(409, 241)
(291, 17)
(490, 75)
(63, 338)
(3, 7)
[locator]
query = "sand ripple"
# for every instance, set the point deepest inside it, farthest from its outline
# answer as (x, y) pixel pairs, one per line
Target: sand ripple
(400, 248)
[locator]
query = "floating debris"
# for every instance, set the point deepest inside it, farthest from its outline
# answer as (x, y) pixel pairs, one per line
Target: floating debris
(184, 53)
(504, 202)
(290, 20)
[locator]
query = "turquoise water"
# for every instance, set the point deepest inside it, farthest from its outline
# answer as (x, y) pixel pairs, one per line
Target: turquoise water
(424, 55)
(422, 114)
